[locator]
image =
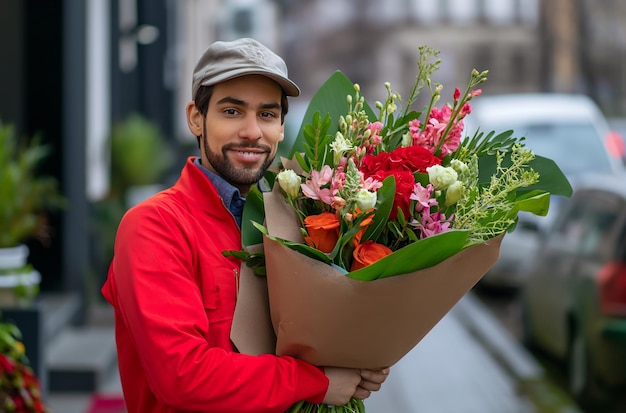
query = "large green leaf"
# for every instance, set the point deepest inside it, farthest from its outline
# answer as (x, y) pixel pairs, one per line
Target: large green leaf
(296, 246)
(551, 178)
(419, 255)
(329, 99)
(253, 211)
(536, 202)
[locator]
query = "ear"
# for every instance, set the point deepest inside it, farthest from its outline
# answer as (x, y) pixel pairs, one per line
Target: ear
(194, 119)
(282, 133)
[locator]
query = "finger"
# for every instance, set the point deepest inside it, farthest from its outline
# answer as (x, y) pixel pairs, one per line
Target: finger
(375, 376)
(361, 393)
(370, 385)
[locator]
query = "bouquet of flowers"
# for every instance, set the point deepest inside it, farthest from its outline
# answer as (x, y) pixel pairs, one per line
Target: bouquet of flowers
(388, 215)
(20, 391)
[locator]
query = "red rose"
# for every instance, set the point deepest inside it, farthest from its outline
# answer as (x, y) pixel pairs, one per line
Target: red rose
(401, 163)
(413, 159)
(404, 188)
(372, 164)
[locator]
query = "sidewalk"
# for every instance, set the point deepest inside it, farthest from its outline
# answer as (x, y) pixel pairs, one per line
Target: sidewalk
(110, 389)
(468, 363)
(453, 370)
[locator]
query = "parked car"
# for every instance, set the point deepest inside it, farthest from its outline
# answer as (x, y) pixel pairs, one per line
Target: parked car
(571, 130)
(618, 126)
(574, 296)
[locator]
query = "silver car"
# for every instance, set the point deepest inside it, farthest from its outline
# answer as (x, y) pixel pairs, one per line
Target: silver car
(571, 130)
(574, 297)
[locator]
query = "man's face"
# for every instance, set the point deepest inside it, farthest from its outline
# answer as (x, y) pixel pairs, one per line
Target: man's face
(242, 129)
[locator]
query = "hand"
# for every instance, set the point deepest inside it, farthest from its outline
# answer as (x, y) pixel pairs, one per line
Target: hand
(342, 385)
(346, 383)
(371, 380)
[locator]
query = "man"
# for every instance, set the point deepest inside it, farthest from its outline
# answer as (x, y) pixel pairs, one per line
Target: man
(174, 292)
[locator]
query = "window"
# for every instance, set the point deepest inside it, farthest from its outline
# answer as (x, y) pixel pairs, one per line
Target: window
(585, 228)
(596, 239)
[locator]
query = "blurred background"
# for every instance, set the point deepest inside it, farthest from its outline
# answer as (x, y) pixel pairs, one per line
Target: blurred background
(104, 83)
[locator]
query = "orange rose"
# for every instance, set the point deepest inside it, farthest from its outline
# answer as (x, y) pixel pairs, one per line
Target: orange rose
(323, 230)
(368, 253)
(364, 224)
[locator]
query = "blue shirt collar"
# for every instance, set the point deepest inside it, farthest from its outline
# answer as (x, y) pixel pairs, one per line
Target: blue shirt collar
(230, 194)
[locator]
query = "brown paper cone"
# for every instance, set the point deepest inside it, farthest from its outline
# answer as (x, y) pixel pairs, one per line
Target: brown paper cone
(328, 319)
(252, 331)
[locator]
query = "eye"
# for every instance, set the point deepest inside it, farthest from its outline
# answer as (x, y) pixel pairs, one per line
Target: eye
(268, 115)
(231, 111)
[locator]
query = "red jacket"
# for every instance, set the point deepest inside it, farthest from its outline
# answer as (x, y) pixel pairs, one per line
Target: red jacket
(174, 296)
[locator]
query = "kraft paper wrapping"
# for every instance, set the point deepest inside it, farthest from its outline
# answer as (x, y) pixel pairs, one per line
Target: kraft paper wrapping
(322, 316)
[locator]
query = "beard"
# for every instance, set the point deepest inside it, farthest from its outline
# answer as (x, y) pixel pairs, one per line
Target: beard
(225, 168)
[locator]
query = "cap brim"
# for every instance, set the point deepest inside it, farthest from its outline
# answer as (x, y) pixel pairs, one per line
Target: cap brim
(290, 88)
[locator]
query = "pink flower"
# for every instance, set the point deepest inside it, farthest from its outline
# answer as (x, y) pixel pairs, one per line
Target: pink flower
(336, 184)
(375, 139)
(423, 197)
(370, 183)
(312, 188)
(436, 223)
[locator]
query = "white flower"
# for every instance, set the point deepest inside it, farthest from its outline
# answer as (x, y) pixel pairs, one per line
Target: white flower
(339, 146)
(365, 200)
(441, 176)
(407, 140)
(459, 166)
(289, 182)
(454, 193)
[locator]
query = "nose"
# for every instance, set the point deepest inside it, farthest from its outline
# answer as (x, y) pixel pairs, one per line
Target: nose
(250, 128)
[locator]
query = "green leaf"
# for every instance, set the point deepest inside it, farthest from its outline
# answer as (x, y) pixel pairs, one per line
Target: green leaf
(302, 249)
(330, 99)
(536, 202)
(419, 255)
(253, 211)
(487, 144)
(551, 178)
(385, 198)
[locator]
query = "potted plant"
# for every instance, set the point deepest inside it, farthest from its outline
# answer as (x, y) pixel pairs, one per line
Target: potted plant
(25, 198)
(20, 389)
(140, 157)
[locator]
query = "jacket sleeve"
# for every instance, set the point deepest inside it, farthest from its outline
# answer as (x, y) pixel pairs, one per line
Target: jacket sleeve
(158, 296)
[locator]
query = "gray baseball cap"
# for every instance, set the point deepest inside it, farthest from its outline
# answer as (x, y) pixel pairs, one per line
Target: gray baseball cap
(226, 60)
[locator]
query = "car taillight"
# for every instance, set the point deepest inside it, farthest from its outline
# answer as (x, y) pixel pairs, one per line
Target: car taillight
(612, 279)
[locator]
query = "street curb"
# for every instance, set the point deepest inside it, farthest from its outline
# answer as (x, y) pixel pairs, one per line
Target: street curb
(542, 394)
(497, 340)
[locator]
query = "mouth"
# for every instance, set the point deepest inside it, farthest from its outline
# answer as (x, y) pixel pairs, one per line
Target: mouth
(248, 155)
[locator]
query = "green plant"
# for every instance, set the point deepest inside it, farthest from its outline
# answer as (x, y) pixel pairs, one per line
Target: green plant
(139, 154)
(25, 196)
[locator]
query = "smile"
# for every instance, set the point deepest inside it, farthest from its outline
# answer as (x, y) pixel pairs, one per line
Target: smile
(248, 155)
